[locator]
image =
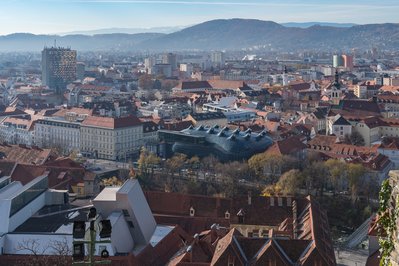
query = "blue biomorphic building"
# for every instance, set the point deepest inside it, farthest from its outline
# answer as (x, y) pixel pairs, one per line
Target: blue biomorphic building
(223, 143)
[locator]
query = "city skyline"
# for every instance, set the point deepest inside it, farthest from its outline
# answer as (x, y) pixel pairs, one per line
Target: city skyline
(54, 16)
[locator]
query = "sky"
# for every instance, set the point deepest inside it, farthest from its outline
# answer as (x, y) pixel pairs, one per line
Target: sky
(57, 16)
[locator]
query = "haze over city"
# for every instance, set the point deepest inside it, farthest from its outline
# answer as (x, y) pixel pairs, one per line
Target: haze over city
(58, 16)
(214, 133)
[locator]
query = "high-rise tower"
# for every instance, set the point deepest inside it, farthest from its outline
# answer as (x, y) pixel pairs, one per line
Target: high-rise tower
(58, 67)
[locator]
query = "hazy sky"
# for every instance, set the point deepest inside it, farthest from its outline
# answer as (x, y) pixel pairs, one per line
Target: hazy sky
(54, 16)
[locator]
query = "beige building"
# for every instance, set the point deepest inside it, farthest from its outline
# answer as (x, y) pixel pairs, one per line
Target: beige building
(111, 138)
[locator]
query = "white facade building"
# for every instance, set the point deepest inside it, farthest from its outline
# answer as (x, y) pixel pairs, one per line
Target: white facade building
(57, 132)
(111, 138)
(17, 131)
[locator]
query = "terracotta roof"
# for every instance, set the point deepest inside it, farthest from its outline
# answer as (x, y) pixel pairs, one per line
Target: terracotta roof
(19, 121)
(226, 84)
(310, 245)
(58, 177)
(287, 146)
(110, 122)
(361, 105)
(373, 122)
(393, 89)
(189, 85)
(24, 154)
(78, 111)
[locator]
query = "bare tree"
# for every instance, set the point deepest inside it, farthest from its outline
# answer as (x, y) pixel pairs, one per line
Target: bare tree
(55, 252)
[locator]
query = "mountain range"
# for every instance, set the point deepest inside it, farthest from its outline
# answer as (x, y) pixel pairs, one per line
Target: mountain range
(230, 34)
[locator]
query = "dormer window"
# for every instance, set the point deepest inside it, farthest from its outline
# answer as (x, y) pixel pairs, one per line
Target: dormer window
(192, 212)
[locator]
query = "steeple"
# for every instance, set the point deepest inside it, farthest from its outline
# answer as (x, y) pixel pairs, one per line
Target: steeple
(285, 76)
(336, 81)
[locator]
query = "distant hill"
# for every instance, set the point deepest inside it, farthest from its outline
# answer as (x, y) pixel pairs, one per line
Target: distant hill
(231, 34)
(310, 24)
(116, 41)
(165, 30)
(247, 33)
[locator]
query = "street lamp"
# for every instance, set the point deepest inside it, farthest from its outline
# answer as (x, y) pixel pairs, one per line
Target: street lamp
(79, 232)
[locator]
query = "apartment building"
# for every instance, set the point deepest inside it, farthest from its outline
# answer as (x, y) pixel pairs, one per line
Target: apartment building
(111, 138)
(17, 131)
(57, 132)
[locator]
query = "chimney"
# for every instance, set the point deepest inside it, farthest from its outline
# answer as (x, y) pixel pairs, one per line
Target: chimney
(249, 197)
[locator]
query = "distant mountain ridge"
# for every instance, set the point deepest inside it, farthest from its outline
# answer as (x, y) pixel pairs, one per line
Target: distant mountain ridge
(164, 30)
(310, 24)
(230, 34)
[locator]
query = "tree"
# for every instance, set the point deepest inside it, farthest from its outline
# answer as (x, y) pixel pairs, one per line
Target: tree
(355, 138)
(290, 182)
(147, 163)
(111, 182)
(231, 173)
(270, 166)
(314, 177)
(55, 252)
(356, 175)
(208, 165)
(336, 173)
(146, 82)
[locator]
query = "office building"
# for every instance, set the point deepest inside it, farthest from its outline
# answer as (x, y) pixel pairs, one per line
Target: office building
(218, 58)
(170, 59)
(58, 67)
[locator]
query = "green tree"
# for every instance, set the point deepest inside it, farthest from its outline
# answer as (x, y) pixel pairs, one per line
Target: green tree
(336, 173)
(356, 176)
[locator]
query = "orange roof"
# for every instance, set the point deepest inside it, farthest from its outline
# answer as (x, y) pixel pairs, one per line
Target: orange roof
(110, 122)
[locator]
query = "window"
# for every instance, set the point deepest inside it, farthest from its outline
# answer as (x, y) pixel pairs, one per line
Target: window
(125, 213)
(130, 224)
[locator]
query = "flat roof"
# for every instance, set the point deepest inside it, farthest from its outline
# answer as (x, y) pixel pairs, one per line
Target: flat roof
(107, 194)
(58, 222)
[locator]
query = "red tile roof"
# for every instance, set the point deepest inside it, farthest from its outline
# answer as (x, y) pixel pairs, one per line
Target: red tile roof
(24, 154)
(287, 146)
(110, 122)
